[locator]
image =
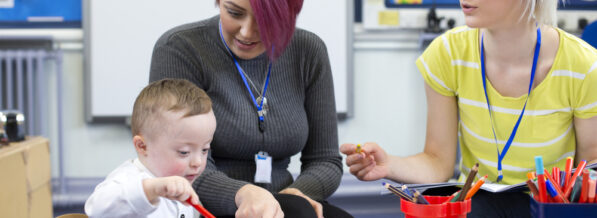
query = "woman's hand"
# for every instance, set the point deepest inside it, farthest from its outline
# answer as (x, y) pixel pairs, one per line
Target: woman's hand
(316, 205)
(254, 201)
(369, 164)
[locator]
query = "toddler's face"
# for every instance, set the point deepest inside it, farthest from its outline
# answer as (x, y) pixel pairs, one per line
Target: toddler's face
(180, 145)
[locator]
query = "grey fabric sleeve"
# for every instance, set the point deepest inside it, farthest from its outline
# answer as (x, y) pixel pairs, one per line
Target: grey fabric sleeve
(321, 168)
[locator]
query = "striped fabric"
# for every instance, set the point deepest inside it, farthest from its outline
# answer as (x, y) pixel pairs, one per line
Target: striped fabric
(451, 66)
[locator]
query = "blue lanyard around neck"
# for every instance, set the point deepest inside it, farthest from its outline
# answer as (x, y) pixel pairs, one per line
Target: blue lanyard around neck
(502, 154)
(259, 105)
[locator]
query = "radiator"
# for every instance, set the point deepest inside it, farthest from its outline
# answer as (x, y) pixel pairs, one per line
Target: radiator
(23, 85)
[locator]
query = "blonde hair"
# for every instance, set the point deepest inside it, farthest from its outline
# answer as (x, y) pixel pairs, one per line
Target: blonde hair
(167, 95)
(542, 11)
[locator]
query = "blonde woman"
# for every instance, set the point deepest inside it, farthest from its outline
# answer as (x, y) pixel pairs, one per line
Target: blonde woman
(539, 83)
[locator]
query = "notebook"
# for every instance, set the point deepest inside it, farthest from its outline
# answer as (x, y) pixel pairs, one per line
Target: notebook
(495, 188)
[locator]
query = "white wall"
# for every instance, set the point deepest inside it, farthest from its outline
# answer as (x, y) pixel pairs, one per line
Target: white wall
(389, 106)
(90, 150)
(389, 102)
(389, 109)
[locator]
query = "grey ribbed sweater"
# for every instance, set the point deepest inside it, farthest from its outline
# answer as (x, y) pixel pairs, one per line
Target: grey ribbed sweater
(301, 116)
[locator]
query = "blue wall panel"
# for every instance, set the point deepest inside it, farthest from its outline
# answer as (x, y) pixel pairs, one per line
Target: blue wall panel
(570, 4)
(19, 16)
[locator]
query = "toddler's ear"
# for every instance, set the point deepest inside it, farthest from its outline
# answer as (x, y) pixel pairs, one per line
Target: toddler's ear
(140, 145)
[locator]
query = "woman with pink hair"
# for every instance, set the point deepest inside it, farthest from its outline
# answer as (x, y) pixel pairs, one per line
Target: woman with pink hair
(273, 97)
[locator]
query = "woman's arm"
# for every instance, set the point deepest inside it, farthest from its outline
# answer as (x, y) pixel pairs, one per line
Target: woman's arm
(585, 111)
(586, 139)
(436, 162)
(173, 57)
(321, 168)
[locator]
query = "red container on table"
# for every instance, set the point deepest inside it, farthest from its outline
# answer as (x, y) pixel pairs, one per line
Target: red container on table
(437, 207)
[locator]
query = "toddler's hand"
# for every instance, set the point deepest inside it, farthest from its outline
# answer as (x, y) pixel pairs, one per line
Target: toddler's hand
(173, 187)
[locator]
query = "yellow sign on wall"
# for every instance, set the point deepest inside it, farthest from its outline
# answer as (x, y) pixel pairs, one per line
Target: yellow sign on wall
(410, 2)
(388, 18)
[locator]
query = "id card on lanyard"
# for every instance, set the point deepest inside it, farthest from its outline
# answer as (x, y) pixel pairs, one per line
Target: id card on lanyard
(263, 163)
(502, 154)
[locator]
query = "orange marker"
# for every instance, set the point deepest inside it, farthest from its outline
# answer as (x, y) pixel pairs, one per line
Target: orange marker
(554, 192)
(549, 177)
(560, 193)
(531, 175)
(579, 169)
(475, 188)
(568, 172)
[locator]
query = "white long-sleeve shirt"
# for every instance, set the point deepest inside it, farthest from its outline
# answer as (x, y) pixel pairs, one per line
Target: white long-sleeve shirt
(121, 195)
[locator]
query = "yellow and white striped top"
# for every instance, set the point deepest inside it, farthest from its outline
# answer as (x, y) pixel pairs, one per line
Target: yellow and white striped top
(451, 66)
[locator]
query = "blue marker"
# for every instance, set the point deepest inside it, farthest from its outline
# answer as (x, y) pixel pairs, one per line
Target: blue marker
(539, 165)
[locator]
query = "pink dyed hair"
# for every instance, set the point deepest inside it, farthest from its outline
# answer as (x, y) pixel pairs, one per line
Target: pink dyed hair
(277, 21)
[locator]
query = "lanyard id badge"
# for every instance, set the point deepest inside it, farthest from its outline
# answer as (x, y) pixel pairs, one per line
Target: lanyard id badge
(259, 102)
(502, 154)
(263, 172)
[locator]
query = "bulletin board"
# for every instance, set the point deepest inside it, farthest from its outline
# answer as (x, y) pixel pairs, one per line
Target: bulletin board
(422, 3)
(579, 5)
(568, 5)
(40, 13)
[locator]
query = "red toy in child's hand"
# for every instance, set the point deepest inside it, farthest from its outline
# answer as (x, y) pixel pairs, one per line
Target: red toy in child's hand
(201, 210)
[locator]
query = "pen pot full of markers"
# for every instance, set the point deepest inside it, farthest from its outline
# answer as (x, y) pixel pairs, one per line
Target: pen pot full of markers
(438, 207)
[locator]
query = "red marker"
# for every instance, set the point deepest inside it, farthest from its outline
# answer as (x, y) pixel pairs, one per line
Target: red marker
(201, 209)
(584, 190)
(591, 191)
(541, 179)
(568, 172)
(553, 193)
(555, 174)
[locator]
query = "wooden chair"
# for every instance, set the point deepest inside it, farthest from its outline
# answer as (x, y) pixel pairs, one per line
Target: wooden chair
(73, 215)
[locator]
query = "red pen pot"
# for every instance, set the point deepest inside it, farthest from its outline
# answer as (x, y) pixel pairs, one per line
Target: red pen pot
(437, 207)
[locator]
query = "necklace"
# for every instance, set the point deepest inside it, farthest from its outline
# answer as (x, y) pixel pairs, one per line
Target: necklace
(260, 100)
(259, 91)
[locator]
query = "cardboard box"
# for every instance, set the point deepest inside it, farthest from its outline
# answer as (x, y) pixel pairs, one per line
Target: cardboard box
(25, 179)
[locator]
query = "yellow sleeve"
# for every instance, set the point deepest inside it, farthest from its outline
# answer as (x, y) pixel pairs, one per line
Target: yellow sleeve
(436, 68)
(586, 102)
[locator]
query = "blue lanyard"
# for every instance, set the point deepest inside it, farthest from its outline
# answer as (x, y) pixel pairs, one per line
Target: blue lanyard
(513, 134)
(259, 105)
